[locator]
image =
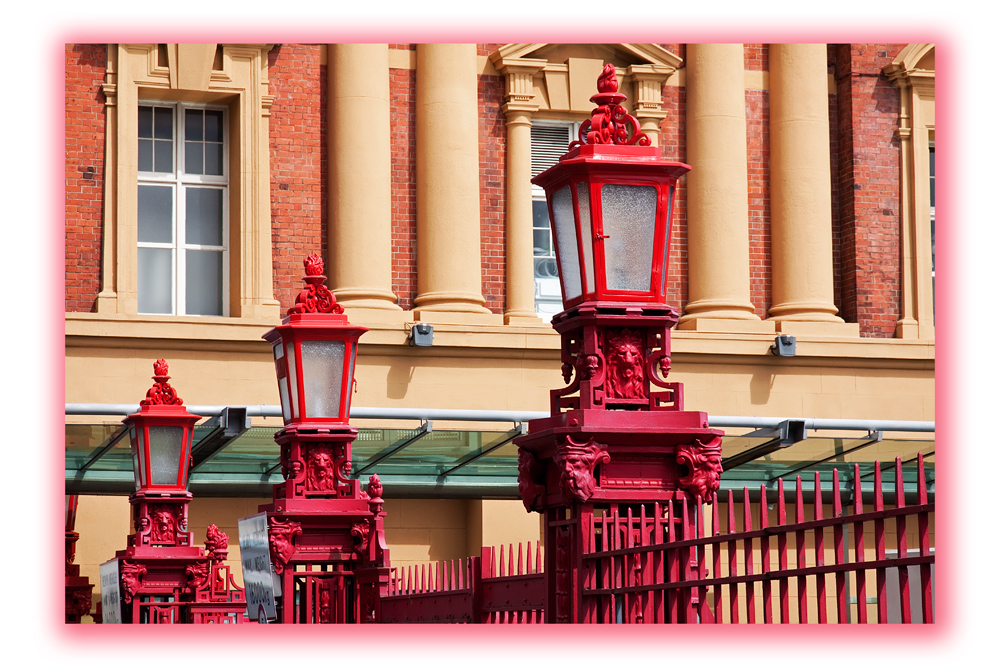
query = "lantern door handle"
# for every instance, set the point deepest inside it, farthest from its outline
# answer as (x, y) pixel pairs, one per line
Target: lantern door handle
(600, 237)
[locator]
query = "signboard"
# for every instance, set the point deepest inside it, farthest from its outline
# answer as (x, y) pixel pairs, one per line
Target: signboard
(111, 604)
(259, 580)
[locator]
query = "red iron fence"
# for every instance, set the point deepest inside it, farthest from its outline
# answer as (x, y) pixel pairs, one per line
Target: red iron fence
(647, 564)
(490, 588)
(647, 568)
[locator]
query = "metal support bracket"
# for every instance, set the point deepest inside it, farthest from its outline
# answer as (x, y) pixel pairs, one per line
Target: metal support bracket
(228, 425)
(873, 437)
(520, 428)
(422, 430)
(785, 434)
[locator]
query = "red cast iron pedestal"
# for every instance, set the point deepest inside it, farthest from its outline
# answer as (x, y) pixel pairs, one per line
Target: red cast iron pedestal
(164, 577)
(79, 590)
(614, 441)
(326, 535)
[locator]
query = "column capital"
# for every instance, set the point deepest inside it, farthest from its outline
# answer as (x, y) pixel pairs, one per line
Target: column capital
(519, 74)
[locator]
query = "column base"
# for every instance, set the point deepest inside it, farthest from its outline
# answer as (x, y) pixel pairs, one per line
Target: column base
(726, 325)
(818, 329)
(523, 319)
(457, 317)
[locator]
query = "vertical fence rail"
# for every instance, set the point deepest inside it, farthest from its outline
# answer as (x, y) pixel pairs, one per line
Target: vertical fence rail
(654, 563)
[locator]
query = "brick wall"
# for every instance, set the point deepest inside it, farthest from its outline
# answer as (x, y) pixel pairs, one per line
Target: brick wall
(298, 163)
(759, 198)
(403, 101)
(492, 190)
(85, 66)
(868, 177)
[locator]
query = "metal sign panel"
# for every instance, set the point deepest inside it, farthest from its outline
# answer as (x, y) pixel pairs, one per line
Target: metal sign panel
(258, 577)
(111, 604)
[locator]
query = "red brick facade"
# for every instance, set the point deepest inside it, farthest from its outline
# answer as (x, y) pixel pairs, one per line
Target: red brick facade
(864, 158)
(85, 66)
(298, 163)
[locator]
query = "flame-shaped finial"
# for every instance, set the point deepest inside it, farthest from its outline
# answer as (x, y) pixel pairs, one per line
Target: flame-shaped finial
(607, 82)
(161, 393)
(316, 297)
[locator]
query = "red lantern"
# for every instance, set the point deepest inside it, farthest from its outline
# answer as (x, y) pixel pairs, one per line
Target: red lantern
(315, 349)
(610, 199)
(160, 436)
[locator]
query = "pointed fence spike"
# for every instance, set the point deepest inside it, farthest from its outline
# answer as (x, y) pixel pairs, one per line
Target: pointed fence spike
(817, 497)
(921, 480)
(900, 491)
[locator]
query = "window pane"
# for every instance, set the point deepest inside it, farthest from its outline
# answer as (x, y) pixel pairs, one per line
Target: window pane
(583, 203)
(193, 125)
(203, 212)
(213, 159)
(163, 156)
(156, 276)
(629, 217)
(163, 123)
(203, 291)
(146, 122)
(145, 155)
(156, 214)
(193, 158)
(213, 126)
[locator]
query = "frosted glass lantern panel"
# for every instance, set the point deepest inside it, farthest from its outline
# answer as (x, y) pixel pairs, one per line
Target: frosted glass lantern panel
(566, 242)
(293, 380)
(666, 243)
(629, 223)
(583, 202)
(138, 469)
(322, 375)
(279, 361)
(166, 444)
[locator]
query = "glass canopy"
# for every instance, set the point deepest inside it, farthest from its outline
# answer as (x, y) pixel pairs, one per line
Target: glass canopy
(429, 462)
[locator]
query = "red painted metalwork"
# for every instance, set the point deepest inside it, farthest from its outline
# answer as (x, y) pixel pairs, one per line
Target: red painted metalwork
(630, 564)
(164, 577)
(488, 588)
(326, 534)
(79, 590)
(618, 435)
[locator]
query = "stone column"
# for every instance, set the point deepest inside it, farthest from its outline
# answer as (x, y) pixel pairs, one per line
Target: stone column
(718, 212)
(520, 271)
(359, 158)
(801, 218)
(449, 265)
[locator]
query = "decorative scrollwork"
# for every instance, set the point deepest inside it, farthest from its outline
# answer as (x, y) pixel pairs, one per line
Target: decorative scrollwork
(703, 464)
(216, 543)
(609, 122)
(161, 393)
(197, 575)
(315, 297)
(359, 536)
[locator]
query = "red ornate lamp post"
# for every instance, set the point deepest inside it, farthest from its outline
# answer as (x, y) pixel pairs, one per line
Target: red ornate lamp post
(326, 535)
(79, 590)
(618, 435)
(163, 576)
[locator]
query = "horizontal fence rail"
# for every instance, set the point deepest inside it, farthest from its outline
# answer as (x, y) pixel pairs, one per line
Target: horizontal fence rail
(490, 588)
(663, 568)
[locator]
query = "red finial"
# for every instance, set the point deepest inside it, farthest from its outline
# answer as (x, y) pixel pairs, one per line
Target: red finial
(316, 297)
(161, 393)
(607, 82)
(609, 122)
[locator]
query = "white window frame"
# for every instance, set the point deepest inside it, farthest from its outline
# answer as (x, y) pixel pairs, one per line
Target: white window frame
(181, 181)
(547, 306)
